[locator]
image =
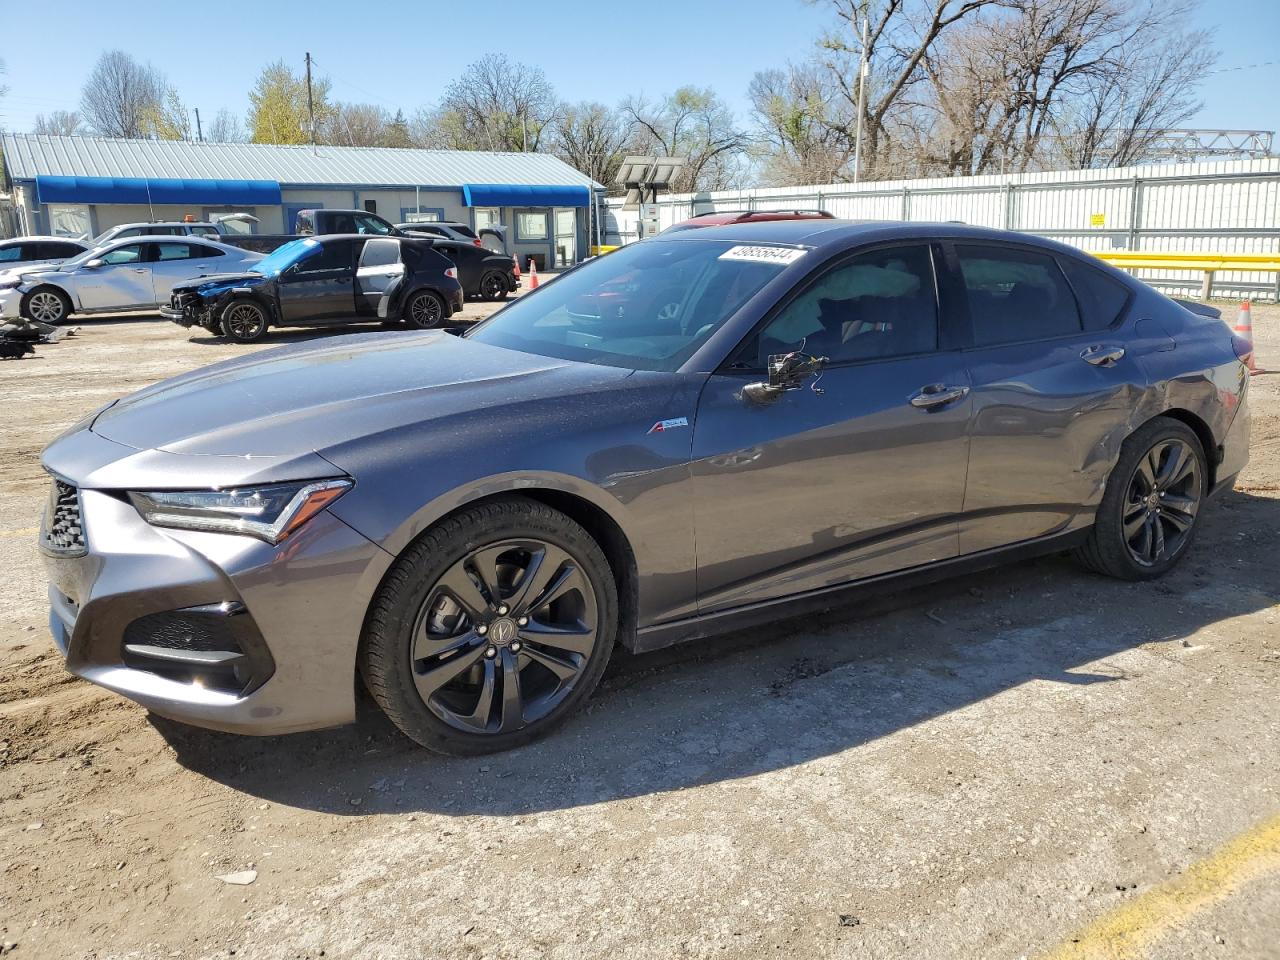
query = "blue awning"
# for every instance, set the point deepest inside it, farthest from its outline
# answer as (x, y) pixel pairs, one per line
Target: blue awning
(524, 195)
(243, 193)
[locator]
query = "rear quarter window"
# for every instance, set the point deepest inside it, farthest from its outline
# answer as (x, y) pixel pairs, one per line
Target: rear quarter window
(1102, 298)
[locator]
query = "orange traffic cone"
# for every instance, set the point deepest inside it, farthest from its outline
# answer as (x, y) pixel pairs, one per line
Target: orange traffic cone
(1244, 329)
(515, 263)
(533, 274)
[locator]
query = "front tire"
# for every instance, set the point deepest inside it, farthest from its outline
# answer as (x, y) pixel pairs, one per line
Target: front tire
(424, 310)
(244, 321)
(47, 305)
(491, 629)
(1151, 508)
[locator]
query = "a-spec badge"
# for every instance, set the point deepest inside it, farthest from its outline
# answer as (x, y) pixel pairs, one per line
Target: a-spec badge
(662, 426)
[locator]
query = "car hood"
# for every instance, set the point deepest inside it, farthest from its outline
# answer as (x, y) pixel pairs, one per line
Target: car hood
(285, 404)
(225, 279)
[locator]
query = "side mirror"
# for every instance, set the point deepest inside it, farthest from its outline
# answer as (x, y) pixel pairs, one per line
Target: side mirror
(787, 371)
(93, 264)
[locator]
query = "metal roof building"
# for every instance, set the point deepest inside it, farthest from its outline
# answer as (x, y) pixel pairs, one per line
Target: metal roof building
(76, 185)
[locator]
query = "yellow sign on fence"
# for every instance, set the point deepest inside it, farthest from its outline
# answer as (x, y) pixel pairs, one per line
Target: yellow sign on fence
(1097, 219)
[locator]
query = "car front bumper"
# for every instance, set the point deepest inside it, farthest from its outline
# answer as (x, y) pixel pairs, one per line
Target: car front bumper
(217, 630)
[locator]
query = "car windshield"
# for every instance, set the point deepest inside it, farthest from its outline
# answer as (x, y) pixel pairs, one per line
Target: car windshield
(648, 306)
(283, 257)
(71, 264)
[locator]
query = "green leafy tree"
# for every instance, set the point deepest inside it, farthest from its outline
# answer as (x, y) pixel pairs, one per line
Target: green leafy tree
(278, 105)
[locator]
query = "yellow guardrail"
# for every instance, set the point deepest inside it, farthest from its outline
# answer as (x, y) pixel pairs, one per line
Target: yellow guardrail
(600, 250)
(1207, 263)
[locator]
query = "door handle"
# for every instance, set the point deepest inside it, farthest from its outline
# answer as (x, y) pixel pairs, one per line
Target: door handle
(938, 395)
(1102, 355)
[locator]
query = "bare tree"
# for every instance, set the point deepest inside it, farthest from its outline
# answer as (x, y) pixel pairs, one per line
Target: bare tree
(800, 136)
(694, 124)
(591, 138)
(125, 98)
(225, 128)
(497, 104)
(1059, 82)
(59, 123)
(356, 125)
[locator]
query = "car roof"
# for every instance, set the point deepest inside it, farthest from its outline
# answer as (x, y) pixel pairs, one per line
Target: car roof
(840, 233)
(167, 238)
(40, 236)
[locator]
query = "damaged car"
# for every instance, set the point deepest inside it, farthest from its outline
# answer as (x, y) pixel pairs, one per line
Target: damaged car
(316, 281)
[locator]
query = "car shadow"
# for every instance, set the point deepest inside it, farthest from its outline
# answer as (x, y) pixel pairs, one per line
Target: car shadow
(777, 696)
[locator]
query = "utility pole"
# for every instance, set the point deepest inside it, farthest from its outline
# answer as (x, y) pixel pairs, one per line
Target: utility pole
(862, 99)
(311, 110)
(199, 132)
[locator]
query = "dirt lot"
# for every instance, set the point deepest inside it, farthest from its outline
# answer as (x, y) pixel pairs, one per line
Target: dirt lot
(1029, 761)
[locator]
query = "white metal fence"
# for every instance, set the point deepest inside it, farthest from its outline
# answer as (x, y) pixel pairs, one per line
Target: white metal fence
(1222, 207)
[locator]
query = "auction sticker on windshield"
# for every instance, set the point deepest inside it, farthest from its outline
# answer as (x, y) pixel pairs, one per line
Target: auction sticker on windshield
(779, 255)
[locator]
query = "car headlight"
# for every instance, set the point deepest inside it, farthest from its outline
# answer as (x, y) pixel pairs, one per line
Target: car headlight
(270, 512)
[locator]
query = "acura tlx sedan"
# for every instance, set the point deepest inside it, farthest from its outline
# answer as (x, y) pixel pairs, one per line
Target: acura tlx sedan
(813, 410)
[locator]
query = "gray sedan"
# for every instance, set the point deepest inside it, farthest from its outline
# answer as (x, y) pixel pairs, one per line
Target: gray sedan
(689, 435)
(133, 274)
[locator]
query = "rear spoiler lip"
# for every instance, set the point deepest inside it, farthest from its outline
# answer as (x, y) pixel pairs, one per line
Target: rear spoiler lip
(1200, 309)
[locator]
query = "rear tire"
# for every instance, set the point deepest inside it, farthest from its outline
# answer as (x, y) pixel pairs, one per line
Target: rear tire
(244, 321)
(491, 629)
(47, 305)
(1150, 511)
(424, 310)
(493, 287)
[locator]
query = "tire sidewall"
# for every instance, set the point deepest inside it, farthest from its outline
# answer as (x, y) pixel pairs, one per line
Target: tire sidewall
(1109, 524)
(62, 298)
(398, 609)
(407, 313)
(226, 326)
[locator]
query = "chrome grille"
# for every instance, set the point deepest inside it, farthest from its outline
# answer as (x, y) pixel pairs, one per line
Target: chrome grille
(63, 532)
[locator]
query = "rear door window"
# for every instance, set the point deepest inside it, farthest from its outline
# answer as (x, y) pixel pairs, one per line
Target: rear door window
(1102, 298)
(54, 250)
(1015, 295)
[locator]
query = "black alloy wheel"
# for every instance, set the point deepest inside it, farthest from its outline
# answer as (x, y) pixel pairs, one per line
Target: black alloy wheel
(244, 321)
(504, 636)
(424, 310)
(1151, 507)
(493, 287)
(1162, 501)
(491, 628)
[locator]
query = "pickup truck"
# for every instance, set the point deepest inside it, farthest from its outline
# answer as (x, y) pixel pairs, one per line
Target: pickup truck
(316, 223)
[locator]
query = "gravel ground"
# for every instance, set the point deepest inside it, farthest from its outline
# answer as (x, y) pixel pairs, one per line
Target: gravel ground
(980, 769)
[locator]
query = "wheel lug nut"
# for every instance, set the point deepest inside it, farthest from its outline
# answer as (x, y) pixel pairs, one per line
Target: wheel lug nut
(522, 622)
(515, 647)
(491, 652)
(482, 629)
(502, 609)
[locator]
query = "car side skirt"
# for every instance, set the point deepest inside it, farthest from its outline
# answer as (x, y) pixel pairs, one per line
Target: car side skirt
(662, 635)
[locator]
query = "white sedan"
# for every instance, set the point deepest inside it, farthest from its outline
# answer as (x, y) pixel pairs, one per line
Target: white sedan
(134, 274)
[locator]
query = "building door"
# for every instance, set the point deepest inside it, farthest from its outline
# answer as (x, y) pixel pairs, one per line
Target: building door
(566, 237)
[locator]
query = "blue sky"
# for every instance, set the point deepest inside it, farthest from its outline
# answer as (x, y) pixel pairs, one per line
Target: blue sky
(401, 54)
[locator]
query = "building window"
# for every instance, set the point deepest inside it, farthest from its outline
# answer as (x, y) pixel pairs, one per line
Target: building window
(531, 225)
(421, 214)
(371, 206)
(488, 217)
(68, 220)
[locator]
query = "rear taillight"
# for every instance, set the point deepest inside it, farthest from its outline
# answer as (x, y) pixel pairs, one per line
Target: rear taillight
(1242, 347)
(451, 273)
(477, 242)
